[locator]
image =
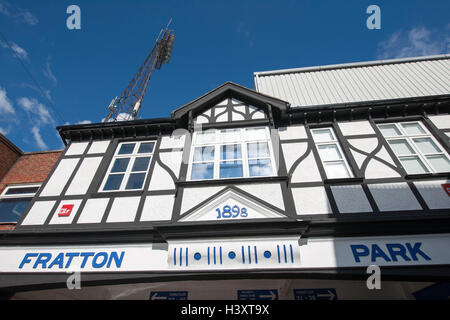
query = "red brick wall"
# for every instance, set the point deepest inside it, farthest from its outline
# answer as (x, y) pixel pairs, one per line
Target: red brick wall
(30, 168)
(7, 157)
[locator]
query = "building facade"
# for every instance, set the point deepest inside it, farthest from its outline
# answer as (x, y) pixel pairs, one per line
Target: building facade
(289, 191)
(21, 175)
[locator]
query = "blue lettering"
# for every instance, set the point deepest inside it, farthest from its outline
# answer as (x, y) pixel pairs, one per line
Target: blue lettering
(86, 256)
(26, 259)
(396, 249)
(43, 258)
(116, 258)
(414, 251)
(71, 255)
(95, 263)
(377, 252)
(359, 250)
(57, 261)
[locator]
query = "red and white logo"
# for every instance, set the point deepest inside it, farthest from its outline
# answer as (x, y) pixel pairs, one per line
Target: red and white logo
(446, 187)
(65, 210)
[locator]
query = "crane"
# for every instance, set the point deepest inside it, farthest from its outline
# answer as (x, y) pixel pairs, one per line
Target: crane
(127, 107)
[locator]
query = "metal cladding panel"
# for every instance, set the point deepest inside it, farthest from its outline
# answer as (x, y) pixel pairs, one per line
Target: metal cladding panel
(379, 80)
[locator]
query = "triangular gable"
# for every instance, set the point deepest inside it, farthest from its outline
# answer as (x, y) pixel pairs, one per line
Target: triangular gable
(233, 91)
(232, 204)
(230, 110)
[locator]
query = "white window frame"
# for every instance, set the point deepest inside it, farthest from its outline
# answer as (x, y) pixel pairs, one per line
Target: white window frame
(22, 195)
(410, 140)
(333, 141)
(18, 197)
(133, 156)
(243, 141)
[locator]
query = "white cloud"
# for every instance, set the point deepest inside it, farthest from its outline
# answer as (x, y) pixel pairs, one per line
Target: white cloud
(34, 107)
(38, 138)
(48, 72)
(19, 51)
(5, 105)
(4, 10)
(4, 131)
(45, 92)
(19, 14)
(28, 17)
(418, 41)
(84, 122)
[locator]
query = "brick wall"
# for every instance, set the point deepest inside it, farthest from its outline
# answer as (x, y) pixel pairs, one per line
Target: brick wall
(9, 153)
(29, 168)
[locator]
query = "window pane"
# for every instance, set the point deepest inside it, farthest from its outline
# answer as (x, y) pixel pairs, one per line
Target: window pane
(322, 135)
(413, 128)
(146, 147)
(11, 210)
(336, 170)
(231, 169)
(230, 152)
(202, 171)
(135, 181)
(230, 135)
(256, 133)
(21, 190)
(413, 165)
(204, 153)
(141, 164)
(389, 130)
(208, 136)
(440, 163)
(401, 147)
(426, 145)
(258, 149)
(120, 165)
(260, 167)
(127, 148)
(113, 182)
(329, 152)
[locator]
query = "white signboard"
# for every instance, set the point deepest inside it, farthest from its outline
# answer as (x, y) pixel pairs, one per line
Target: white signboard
(232, 254)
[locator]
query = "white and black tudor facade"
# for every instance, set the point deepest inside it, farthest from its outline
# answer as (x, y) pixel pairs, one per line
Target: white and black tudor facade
(248, 189)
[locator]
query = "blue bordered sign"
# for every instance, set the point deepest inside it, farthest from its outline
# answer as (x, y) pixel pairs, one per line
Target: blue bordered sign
(315, 294)
(168, 295)
(271, 294)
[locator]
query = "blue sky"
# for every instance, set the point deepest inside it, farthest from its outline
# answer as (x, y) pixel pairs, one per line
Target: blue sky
(80, 71)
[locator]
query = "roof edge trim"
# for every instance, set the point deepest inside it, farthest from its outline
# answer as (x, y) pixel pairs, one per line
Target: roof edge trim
(351, 65)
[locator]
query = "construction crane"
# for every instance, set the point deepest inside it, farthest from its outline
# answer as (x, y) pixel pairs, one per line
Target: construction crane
(127, 107)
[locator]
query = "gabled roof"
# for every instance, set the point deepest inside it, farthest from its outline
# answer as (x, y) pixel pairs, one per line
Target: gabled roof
(229, 90)
(358, 82)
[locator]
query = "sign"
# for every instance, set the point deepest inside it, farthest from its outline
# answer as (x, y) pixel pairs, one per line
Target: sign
(168, 295)
(446, 187)
(408, 251)
(65, 210)
(218, 254)
(315, 294)
(258, 294)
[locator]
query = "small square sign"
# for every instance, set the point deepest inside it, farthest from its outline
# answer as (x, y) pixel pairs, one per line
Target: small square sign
(446, 187)
(65, 210)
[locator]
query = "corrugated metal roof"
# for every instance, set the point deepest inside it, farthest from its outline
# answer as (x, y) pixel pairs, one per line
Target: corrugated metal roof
(357, 82)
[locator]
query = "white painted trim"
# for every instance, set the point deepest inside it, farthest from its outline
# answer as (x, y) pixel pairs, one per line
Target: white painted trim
(23, 195)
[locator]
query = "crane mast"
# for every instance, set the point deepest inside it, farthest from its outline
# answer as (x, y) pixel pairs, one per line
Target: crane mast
(127, 107)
